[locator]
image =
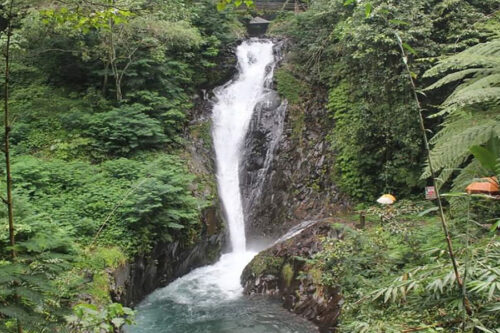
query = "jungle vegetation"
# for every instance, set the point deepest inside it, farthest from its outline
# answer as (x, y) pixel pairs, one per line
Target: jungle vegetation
(100, 97)
(398, 274)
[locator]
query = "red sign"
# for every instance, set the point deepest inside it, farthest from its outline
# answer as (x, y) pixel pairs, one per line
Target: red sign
(430, 193)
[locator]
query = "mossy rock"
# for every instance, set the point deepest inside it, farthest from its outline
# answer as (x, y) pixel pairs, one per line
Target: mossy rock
(264, 263)
(289, 86)
(287, 273)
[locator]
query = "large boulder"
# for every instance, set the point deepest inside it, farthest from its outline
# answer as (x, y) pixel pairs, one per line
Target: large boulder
(282, 271)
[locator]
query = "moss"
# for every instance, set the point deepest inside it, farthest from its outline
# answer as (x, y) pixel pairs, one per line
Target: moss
(316, 275)
(202, 131)
(103, 257)
(99, 261)
(289, 86)
(265, 263)
(287, 273)
(98, 289)
(298, 123)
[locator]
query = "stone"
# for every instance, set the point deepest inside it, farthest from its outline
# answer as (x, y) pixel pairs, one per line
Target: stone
(285, 177)
(303, 296)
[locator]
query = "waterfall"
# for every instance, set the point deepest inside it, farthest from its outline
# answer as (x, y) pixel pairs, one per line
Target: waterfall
(232, 113)
(209, 299)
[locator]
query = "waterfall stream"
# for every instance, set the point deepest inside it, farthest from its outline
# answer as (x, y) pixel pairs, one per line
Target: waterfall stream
(209, 299)
(231, 116)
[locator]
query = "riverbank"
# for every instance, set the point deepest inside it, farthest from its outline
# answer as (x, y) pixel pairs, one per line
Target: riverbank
(349, 278)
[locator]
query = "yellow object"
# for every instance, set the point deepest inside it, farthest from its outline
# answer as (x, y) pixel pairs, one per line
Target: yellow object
(386, 199)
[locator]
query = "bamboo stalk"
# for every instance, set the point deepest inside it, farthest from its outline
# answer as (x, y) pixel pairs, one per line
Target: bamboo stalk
(433, 175)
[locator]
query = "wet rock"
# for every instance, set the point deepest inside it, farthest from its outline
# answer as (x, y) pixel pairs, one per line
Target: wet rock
(287, 167)
(275, 272)
(165, 263)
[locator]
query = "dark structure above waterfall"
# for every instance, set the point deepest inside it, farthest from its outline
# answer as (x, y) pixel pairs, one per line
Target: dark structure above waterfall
(257, 26)
(278, 5)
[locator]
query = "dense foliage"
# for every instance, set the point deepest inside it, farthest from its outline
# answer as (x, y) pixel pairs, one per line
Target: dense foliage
(101, 98)
(396, 275)
(352, 50)
(101, 95)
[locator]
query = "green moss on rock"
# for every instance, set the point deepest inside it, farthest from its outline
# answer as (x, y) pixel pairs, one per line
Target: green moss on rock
(289, 86)
(265, 263)
(287, 273)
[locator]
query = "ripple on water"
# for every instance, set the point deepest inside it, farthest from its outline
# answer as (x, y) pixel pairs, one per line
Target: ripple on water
(210, 300)
(242, 315)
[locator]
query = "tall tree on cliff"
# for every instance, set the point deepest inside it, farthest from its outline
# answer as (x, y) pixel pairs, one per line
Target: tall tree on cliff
(126, 33)
(8, 16)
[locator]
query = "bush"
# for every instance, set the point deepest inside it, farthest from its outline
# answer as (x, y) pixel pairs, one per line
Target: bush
(125, 130)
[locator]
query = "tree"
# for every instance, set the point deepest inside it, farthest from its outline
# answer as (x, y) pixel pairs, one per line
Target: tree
(6, 142)
(123, 34)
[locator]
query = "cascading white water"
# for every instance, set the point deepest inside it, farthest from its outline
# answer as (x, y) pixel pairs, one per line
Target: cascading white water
(209, 299)
(231, 116)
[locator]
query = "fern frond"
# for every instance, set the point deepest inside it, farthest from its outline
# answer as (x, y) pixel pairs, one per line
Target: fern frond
(453, 77)
(472, 110)
(451, 147)
(485, 55)
(467, 174)
(469, 97)
(491, 80)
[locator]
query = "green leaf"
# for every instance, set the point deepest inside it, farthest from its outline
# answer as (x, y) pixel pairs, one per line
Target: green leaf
(368, 9)
(427, 211)
(495, 226)
(221, 6)
(174, 225)
(388, 294)
(118, 322)
(409, 48)
(399, 22)
(486, 157)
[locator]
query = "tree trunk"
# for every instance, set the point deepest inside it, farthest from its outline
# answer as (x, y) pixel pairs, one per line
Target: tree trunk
(105, 80)
(7, 129)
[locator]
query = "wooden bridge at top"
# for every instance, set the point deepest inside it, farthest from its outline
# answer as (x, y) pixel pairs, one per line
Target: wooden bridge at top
(277, 5)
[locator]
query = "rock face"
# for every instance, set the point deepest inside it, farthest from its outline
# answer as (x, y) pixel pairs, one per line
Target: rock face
(287, 166)
(259, 155)
(165, 263)
(282, 271)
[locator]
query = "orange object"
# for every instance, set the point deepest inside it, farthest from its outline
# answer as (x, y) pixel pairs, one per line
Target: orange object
(485, 186)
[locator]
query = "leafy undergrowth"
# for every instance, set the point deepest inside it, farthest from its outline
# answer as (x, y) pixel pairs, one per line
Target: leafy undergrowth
(100, 168)
(396, 276)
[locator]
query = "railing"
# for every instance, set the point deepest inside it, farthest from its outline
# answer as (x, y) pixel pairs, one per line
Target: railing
(289, 5)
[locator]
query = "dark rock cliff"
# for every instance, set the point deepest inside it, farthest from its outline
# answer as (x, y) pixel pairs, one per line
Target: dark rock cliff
(166, 262)
(282, 271)
(287, 166)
